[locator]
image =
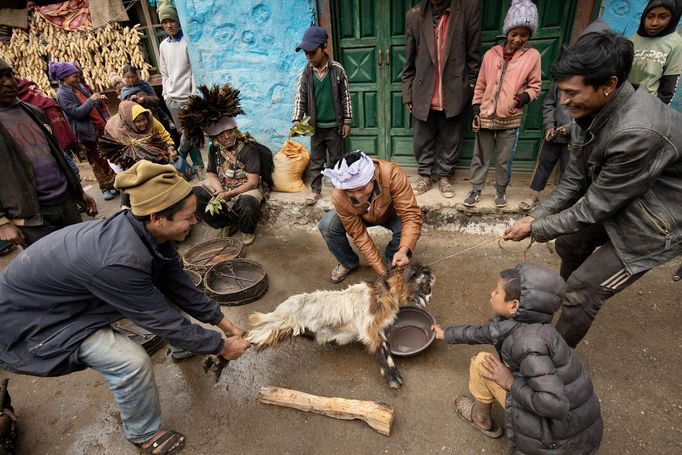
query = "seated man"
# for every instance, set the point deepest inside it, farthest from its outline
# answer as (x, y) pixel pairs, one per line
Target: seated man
(239, 168)
(59, 297)
(369, 193)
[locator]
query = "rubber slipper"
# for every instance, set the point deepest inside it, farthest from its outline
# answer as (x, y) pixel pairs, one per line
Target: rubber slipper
(494, 432)
(163, 444)
(527, 204)
(339, 274)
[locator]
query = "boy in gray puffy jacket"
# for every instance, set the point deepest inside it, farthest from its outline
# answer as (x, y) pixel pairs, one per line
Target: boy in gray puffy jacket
(549, 402)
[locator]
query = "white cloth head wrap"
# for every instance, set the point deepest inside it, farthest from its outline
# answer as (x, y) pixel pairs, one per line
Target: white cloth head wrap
(225, 123)
(356, 175)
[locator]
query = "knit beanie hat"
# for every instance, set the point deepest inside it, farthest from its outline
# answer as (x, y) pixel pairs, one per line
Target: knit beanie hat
(522, 13)
(152, 187)
(165, 9)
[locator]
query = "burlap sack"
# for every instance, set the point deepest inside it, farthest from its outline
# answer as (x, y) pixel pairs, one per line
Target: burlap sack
(290, 163)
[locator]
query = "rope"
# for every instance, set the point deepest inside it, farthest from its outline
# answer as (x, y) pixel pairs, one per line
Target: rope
(478, 245)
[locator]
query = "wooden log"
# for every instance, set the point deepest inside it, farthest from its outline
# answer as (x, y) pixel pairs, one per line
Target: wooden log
(377, 415)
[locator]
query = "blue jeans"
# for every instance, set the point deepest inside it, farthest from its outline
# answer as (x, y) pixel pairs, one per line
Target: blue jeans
(128, 369)
(334, 234)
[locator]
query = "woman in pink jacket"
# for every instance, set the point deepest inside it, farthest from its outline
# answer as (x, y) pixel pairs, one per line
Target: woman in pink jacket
(509, 79)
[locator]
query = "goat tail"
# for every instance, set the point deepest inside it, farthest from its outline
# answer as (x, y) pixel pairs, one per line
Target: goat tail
(271, 329)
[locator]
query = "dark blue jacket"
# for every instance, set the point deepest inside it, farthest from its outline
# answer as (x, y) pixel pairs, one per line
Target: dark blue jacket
(83, 277)
(551, 407)
(77, 114)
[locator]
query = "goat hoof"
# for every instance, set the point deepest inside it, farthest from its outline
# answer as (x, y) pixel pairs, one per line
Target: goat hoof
(394, 379)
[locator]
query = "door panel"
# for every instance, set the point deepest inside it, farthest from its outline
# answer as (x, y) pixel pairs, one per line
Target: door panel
(356, 33)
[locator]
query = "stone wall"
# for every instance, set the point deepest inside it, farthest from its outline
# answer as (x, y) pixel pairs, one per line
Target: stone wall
(250, 44)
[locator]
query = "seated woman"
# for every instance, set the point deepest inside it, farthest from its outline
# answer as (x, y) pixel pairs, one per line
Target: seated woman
(239, 168)
(135, 127)
(135, 122)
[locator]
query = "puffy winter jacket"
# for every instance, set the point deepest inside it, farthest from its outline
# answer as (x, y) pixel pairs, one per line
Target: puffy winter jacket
(552, 407)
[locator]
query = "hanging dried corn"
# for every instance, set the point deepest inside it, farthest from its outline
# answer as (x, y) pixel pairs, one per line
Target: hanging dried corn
(99, 52)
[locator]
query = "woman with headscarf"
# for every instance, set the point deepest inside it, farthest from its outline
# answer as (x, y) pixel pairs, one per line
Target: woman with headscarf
(141, 92)
(87, 114)
(136, 122)
(658, 49)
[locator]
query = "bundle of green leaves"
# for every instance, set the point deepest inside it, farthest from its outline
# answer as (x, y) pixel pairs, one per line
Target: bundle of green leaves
(301, 128)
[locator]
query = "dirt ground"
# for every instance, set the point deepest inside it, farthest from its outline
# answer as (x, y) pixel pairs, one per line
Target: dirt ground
(632, 354)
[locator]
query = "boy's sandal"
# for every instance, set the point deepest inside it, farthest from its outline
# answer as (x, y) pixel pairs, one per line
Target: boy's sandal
(163, 445)
(464, 407)
(340, 275)
(528, 204)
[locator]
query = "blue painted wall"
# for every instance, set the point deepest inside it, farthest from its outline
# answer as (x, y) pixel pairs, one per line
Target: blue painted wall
(623, 16)
(250, 44)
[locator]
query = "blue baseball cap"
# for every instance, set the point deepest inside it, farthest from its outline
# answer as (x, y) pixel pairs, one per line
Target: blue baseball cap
(313, 38)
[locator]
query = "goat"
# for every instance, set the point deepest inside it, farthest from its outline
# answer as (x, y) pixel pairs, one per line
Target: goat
(362, 312)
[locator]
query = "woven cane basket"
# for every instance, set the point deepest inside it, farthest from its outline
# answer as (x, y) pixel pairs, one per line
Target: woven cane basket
(236, 282)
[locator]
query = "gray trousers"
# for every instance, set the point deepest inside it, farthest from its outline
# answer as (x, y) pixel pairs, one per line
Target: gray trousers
(593, 273)
(326, 142)
(185, 148)
(437, 143)
(493, 143)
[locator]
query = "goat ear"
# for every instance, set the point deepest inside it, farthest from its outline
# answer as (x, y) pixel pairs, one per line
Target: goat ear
(408, 273)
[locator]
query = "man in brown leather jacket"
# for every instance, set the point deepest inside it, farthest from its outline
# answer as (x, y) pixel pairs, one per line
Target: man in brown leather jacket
(442, 59)
(369, 193)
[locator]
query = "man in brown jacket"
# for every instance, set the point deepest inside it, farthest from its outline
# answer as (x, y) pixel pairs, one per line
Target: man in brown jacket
(369, 193)
(442, 58)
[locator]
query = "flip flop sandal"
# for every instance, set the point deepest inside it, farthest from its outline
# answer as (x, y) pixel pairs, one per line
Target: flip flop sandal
(163, 445)
(465, 414)
(340, 276)
(527, 204)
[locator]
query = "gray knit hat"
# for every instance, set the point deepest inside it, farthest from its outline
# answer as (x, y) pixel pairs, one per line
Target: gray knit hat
(522, 13)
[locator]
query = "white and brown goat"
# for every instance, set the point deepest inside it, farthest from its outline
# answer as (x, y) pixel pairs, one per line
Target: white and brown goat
(362, 312)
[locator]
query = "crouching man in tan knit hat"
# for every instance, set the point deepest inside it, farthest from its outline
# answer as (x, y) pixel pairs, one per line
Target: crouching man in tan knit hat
(59, 297)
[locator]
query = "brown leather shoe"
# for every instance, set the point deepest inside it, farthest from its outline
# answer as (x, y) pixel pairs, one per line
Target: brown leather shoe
(446, 189)
(422, 186)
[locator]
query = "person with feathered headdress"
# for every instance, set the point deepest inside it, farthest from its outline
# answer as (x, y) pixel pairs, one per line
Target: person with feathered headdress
(239, 168)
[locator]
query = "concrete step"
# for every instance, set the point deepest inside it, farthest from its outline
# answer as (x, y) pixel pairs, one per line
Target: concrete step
(290, 210)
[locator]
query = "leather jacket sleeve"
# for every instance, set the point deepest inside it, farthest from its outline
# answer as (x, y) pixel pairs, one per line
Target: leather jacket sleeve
(405, 205)
(631, 162)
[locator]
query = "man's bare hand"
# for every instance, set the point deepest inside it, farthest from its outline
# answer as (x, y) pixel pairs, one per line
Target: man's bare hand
(11, 233)
(409, 107)
(400, 258)
(345, 131)
(234, 347)
(90, 205)
(520, 230)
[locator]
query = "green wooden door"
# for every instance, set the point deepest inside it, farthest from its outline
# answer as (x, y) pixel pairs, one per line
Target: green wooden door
(369, 37)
